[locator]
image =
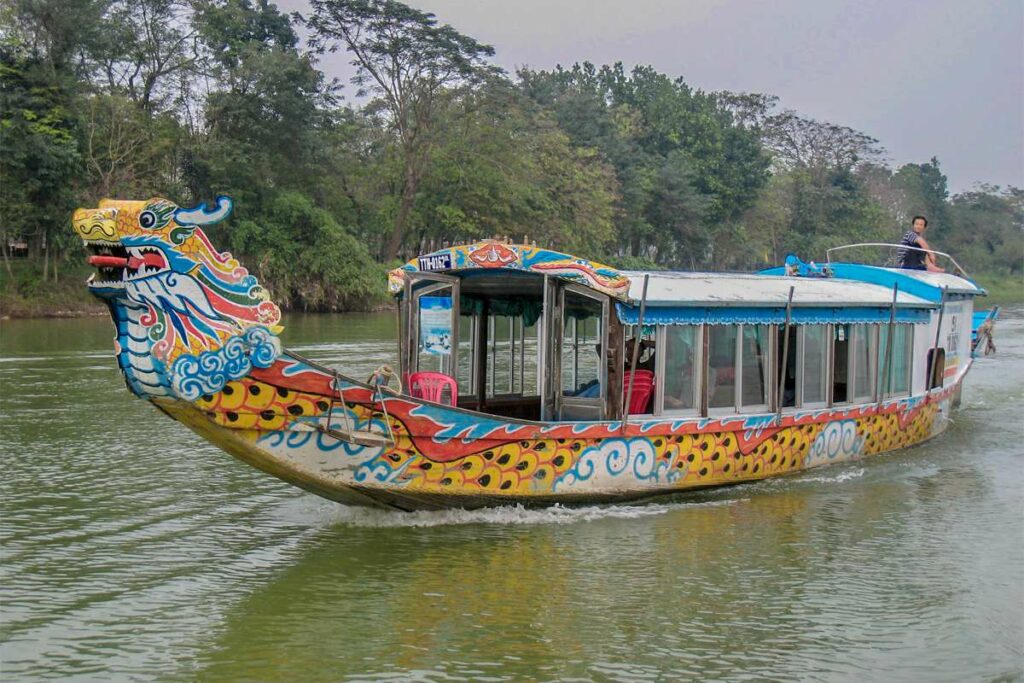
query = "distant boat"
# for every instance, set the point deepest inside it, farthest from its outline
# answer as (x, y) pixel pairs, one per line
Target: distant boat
(529, 376)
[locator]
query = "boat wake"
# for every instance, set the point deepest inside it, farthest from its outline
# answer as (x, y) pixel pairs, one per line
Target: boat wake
(509, 515)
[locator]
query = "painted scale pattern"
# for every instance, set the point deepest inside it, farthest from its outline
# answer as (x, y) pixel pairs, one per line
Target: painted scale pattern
(543, 466)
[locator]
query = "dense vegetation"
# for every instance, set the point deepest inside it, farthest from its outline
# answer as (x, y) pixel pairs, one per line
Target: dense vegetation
(192, 98)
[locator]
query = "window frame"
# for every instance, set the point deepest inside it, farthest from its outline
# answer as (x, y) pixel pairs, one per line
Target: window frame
(828, 373)
(660, 360)
(557, 335)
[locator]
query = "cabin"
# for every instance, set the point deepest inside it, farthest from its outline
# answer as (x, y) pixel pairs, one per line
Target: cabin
(527, 333)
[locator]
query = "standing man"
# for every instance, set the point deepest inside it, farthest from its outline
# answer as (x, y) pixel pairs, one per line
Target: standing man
(913, 259)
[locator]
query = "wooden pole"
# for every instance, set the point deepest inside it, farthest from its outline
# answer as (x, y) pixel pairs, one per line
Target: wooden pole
(636, 354)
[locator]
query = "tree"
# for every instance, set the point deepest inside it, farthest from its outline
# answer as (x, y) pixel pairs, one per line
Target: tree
(682, 161)
(403, 56)
(500, 166)
(799, 142)
(146, 44)
(925, 192)
(40, 162)
(986, 230)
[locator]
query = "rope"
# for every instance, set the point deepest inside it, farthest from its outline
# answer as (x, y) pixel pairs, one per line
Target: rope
(381, 378)
(987, 329)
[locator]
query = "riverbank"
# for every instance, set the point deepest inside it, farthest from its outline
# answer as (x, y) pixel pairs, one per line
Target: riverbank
(1002, 289)
(25, 295)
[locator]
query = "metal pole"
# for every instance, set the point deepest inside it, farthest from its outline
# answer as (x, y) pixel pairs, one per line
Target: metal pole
(887, 368)
(785, 357)
(935, 346)
(636, 354)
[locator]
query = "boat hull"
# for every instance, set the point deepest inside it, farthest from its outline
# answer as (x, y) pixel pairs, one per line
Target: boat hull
(432, 456)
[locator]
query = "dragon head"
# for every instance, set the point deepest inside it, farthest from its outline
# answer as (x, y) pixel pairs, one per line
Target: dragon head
(189, 319)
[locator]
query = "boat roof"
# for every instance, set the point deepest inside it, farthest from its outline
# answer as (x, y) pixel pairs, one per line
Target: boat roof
(839, 285)
(754, 289)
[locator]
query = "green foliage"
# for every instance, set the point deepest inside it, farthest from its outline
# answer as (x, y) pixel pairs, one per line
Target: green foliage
(924, 193)
(499, 167)
(682, 161)
(40, 163)
(988, 230)
(405, 58)
(307, 259)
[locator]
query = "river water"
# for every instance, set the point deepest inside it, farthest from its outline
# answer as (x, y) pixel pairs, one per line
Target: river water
(133, 550)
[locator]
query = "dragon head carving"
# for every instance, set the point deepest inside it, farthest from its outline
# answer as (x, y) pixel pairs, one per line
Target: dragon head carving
(189, 318)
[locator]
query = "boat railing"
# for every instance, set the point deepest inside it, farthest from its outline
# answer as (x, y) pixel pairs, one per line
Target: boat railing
(891, 261)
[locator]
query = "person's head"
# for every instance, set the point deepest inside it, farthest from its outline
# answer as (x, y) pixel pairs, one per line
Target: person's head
(919, 223)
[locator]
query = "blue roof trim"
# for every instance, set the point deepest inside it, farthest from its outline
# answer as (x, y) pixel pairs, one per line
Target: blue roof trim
(696, 315)
(874, 275)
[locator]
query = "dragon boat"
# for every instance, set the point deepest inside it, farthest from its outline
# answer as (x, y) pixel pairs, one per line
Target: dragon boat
(528, 376)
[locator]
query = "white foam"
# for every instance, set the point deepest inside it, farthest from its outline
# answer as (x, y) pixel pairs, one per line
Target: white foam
(837, 478)
(506, 515)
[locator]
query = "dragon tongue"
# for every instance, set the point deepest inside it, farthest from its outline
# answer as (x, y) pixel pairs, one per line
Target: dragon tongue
(107, 261)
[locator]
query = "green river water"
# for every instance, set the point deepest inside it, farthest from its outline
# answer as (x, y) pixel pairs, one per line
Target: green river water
(133, 550)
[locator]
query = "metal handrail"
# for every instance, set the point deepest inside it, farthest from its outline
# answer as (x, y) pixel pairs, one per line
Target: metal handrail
(828, 252)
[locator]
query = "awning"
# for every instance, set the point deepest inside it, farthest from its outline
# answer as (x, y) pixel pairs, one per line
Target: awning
(734, 315)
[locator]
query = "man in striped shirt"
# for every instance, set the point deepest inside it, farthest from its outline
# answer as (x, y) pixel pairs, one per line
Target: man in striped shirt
(914, 259)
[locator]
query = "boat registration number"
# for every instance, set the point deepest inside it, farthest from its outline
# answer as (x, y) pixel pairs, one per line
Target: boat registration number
(436, 262)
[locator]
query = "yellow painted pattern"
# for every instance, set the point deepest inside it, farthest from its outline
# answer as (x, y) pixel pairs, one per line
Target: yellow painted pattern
(530, 467)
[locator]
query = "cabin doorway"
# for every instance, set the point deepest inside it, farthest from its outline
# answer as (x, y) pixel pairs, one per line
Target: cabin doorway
(430, 338)
(575, 359)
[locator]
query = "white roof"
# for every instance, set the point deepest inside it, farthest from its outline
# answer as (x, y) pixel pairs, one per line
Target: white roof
(952, 283)
(731, 289)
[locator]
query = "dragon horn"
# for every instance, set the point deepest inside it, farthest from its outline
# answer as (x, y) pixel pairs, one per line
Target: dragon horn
(200, 216)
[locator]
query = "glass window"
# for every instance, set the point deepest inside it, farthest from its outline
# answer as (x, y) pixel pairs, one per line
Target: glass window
(789, 366)
(680, 378)
(581, 338)
(467, 340)
(754, 367)
(898, 380)
(721, 389)
(863, 340)
(815, 364)
(842, 344)
(434, 311)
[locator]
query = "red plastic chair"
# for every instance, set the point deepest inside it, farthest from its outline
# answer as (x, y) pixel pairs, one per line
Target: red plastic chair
(431, 385)
(643, 387)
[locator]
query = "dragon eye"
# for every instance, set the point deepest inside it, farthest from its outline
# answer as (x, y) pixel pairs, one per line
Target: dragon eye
(147, 219)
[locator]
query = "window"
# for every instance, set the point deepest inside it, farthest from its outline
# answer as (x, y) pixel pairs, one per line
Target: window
(814, 351)
(467, 340)
(789, 366)
(679, 354)
(894, 376)
(754, 368)
(721, 388)
(578, 339)
(512, 356)
(864, 341)
(738, 367)
(842, 362)
(435, 334)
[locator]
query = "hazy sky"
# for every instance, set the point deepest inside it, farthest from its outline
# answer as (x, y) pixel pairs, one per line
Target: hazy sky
(927, 78)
